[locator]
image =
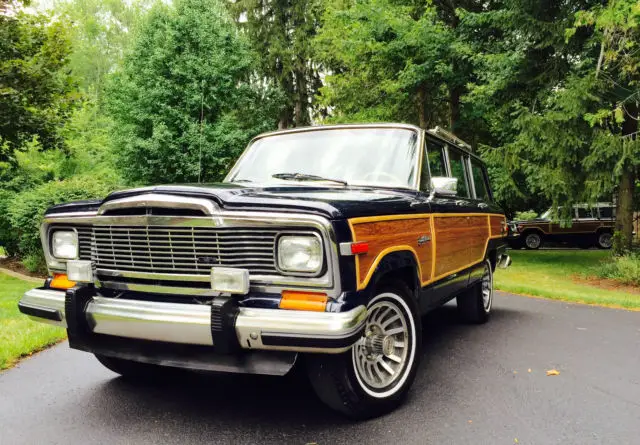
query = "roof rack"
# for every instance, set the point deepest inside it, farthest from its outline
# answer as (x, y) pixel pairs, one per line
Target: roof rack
(450, 137)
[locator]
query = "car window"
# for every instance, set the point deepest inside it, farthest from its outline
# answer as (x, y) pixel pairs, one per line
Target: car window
(479, 181)
(458, 171)
(606, 212)
(433, 161)
(584, 213)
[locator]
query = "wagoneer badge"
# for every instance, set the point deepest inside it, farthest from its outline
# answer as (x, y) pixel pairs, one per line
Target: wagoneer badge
(423, 240)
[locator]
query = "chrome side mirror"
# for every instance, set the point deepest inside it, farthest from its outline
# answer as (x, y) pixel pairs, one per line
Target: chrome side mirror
(444, 185)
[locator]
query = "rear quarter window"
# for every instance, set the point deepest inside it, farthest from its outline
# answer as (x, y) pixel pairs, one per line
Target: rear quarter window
(480, 181)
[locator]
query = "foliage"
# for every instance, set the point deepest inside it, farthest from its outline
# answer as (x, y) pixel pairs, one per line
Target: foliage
(26, 208)
(183, 103)
(99, 33)
(624, 269)
(526, 215)
(37, 92)
(389, 61)
(19, 335)
(281, 32)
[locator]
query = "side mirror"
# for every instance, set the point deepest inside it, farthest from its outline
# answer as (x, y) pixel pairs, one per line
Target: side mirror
(444, 185)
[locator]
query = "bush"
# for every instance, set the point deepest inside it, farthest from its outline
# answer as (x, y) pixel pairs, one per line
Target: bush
(27, 208)
(526, 215)
(624, 269)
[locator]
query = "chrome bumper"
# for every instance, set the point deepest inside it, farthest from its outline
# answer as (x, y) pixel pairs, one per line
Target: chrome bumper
(259, 329)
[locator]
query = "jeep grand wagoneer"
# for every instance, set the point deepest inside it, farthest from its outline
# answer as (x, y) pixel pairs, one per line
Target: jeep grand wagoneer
(328, 241)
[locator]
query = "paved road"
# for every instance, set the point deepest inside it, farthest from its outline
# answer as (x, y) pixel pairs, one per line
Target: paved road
(473, 388)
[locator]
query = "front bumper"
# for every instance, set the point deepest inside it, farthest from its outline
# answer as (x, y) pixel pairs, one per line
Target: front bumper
(253, 328)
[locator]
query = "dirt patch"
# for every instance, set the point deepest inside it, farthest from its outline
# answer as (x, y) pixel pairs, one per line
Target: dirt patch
(606, 283)
(15, 265)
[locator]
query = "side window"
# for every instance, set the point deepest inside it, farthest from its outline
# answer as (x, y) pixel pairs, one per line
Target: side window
(606, 212)
(436, 164)
(584, 212)
(480, 181)
(458, 171)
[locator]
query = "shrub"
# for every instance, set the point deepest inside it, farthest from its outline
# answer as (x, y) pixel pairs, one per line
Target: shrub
(624, 269)
(27, 208)
(526, 215)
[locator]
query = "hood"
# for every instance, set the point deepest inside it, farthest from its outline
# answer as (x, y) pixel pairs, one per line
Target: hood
(330, 201)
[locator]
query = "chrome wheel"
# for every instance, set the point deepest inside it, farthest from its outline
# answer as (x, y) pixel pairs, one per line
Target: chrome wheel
(605, 240)
(487, 287)
(533, 241)
(382, 357)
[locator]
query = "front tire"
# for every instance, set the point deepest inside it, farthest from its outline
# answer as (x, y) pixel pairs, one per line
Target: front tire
(374, 377)
(474, 305)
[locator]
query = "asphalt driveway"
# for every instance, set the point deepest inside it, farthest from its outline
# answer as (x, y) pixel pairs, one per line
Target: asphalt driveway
(474, 387)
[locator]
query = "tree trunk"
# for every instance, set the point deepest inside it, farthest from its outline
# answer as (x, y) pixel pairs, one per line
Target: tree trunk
(422, 112)
(454, 107)
(301, 113)
(624, 207)
(624, 212)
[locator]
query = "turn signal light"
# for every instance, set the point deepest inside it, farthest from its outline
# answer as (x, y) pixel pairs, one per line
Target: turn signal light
(303, 301)
(359, 248)
(61, 281)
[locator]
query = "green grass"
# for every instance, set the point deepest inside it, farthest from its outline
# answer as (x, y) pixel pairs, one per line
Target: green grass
(19, 335)
(561, 275)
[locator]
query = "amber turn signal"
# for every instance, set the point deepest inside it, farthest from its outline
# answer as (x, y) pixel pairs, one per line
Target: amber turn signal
(61, 281)
(303, 301)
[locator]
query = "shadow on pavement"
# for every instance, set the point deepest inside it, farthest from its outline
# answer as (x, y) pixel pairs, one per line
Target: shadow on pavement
(211, 401)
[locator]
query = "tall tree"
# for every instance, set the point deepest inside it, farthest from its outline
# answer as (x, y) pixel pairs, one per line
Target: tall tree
(37, 92)
(387, 60)
(557, 84)
(184, 105)
(99, 32)
(281, 32)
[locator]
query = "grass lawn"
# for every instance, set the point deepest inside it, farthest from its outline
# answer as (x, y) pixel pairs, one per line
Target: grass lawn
(559, 275)
(19, 335)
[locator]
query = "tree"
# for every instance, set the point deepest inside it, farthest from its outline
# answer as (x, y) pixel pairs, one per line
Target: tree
(37, 93)
(557, 84)
(99, 32)
(388, 60)
(281, 32)
(183, 104)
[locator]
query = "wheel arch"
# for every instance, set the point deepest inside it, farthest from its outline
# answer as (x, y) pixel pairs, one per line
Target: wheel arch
(399, 265)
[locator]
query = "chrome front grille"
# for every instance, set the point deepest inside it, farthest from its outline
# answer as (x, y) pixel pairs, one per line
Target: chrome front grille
(178, 249)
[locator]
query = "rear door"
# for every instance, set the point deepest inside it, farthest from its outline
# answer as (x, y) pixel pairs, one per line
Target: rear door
(460, 237)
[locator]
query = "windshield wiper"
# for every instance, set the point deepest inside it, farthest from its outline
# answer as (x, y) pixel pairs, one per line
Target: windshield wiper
(306, 177)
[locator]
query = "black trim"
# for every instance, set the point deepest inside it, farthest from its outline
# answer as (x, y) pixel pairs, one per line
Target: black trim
(326, 342)
(224, 311)
(39, 311)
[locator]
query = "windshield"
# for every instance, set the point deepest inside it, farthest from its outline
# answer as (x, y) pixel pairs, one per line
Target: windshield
(384, 157)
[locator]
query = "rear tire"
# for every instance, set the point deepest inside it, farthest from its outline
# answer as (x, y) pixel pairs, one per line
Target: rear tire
(373, 377)
(533, 241)
(474, 305)
(604, 240)
(130, 369)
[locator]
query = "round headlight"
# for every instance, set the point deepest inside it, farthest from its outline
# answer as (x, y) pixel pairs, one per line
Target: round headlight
(298, 253)
(64, 244)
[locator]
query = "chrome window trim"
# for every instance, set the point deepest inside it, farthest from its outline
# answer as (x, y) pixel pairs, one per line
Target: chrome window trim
(329, 282)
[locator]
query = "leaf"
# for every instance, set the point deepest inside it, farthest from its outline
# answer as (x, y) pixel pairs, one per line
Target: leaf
(553, 372)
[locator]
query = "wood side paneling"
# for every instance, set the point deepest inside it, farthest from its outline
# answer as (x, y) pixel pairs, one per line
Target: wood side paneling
(456, 241)
(460, 242)
(497, 225)
(384, 235)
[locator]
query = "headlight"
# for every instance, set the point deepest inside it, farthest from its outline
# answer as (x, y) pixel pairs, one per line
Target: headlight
(64, 244)
(300, 253)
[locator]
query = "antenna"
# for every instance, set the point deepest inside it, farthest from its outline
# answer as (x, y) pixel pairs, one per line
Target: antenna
(201, 125)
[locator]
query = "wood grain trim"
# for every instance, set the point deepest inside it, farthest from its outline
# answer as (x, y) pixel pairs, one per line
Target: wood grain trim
(497, 225)
(383, 239)
(391, 234)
